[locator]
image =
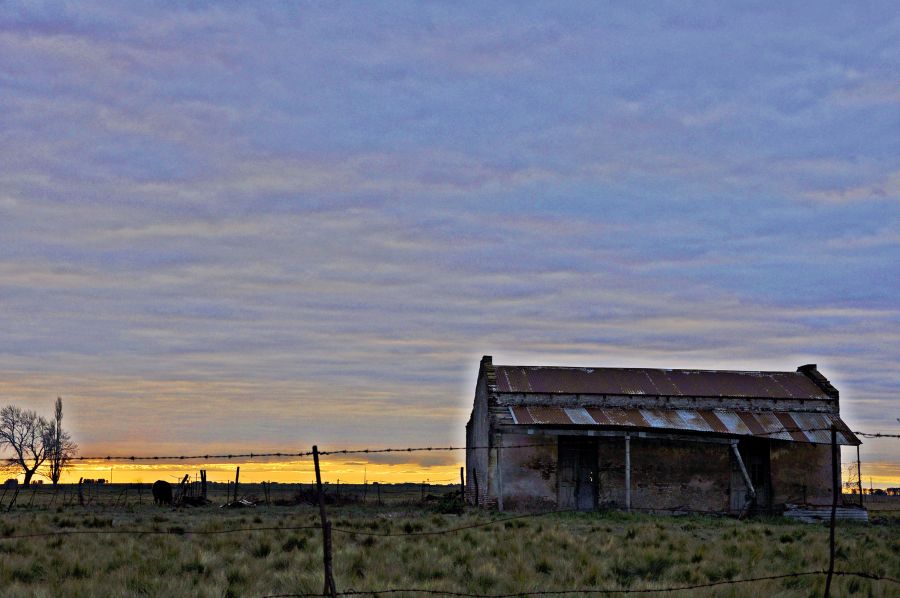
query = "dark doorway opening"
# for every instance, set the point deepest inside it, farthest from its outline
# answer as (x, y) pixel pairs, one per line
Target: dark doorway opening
(755, 455)
(579, 479)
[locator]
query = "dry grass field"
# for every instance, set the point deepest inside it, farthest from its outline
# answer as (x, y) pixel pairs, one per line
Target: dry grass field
(546, 552)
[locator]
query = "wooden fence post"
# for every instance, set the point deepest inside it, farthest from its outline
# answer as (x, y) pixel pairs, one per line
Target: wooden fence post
(80, 492)
(378, 487)
(237, 477)
(13, 499)
(330, 589)
(462, 485)
(203, 483)
(835, 490)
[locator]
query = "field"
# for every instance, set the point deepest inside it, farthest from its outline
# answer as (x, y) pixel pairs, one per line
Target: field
(186, 553)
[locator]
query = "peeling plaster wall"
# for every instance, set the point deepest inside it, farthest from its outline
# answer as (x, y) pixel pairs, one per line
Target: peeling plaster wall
(477, 435)
(801, 473)
(529, 472)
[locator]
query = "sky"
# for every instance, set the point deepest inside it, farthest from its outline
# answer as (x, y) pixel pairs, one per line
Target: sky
(258, 226)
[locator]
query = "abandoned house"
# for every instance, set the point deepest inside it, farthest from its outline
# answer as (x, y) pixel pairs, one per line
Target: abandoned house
(651, 439)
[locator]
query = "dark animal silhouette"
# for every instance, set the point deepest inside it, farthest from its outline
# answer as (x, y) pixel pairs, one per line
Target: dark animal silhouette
(162, 492)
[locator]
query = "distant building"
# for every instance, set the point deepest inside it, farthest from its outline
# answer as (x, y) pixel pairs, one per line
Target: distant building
(651, 439)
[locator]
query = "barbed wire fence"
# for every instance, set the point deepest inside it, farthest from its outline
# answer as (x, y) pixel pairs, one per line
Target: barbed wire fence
(85, 498)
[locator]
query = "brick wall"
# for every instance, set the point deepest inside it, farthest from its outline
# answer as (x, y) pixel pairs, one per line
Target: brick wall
(801, 473)
(666, 474)
(529, 472)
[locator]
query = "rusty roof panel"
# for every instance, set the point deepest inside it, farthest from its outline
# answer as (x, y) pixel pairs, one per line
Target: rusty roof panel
(579, 415)
(696, 421)
(512, 378)
(793, 427)
(750, 421)
(548, 415)
(521, 415)
(715, 424)
(646, 381)
(734, 422)
(632, 417)
(661, 382)
(843, 430)
(599, 416)
(664, 418)
(815, 426)
(772, 426)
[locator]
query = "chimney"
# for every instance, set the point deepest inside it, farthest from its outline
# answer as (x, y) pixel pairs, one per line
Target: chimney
(809, 370)
(490, 374)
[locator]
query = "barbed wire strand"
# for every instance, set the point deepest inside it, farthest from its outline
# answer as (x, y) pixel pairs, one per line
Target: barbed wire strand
(365, 451)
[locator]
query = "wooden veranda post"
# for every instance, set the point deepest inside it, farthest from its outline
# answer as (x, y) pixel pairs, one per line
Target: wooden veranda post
(628, 473)
(330, 589)
(859, 476)
(835, 492)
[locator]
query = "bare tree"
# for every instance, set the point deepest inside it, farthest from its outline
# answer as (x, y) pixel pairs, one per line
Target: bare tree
(25, 432)
(60, 448)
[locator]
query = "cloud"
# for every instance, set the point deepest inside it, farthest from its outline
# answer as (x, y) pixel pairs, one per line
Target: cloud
(245, 225)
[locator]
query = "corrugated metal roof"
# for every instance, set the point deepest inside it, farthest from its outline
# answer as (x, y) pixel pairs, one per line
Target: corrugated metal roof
(780, 425)
(639, 381)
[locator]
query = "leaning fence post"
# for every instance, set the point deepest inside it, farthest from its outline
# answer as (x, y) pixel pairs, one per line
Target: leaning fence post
(330, 589)
(835, 489)
(13, 500)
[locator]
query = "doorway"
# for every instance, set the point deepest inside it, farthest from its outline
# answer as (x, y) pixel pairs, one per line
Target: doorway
(755, 455)
(579, 480)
